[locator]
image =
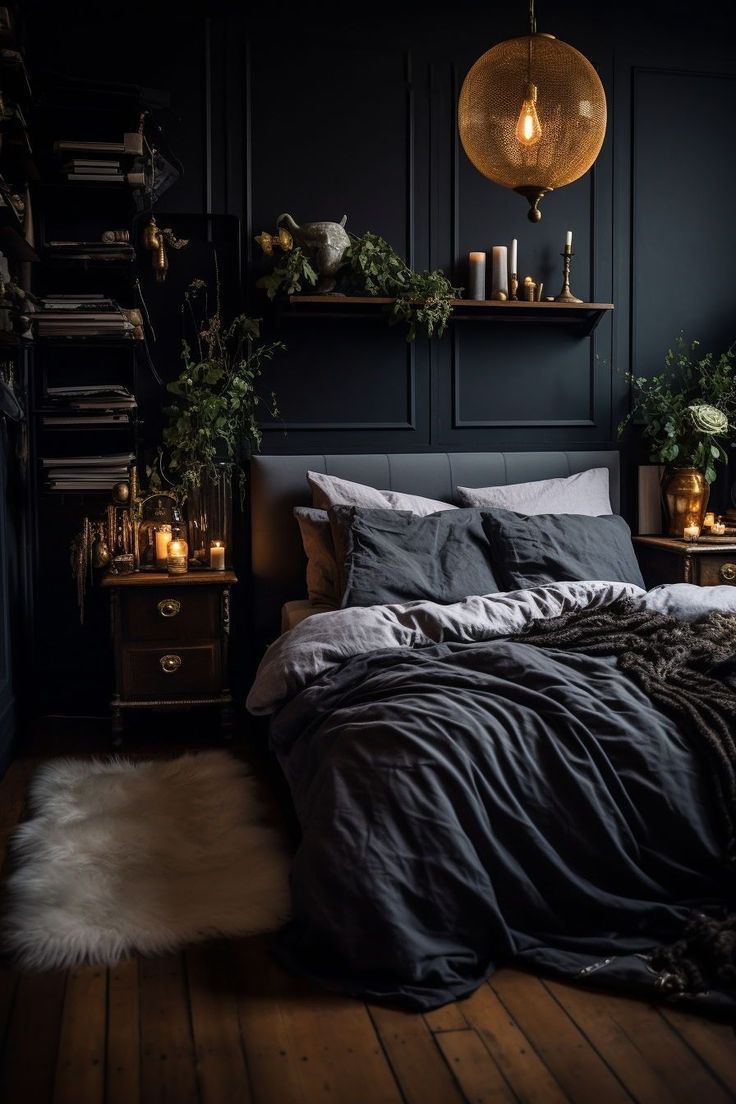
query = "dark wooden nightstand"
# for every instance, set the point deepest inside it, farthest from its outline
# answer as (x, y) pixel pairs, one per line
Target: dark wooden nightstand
(667, 560)
(170, 636)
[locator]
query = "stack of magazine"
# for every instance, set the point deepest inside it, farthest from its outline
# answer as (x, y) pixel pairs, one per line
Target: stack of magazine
(86, 473)
(94, 405)
(83, 315)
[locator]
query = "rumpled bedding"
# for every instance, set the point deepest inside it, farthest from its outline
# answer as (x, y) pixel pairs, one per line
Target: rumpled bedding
(467, 799)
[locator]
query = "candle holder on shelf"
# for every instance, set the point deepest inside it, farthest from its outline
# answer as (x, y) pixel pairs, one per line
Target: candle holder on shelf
(514, 287)
(566, 296)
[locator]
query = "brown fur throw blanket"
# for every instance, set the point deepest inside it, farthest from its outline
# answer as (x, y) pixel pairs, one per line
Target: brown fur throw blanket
(689, 670)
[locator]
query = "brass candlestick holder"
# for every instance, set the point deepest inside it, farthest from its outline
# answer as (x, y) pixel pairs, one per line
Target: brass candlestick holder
(514, 287)
(566, 296)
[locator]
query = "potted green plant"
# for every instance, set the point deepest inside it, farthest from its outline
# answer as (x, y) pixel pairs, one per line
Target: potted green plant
(686, 415)
(214, 418)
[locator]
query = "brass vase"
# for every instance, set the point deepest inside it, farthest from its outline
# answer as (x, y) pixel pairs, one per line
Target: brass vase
(685, 494)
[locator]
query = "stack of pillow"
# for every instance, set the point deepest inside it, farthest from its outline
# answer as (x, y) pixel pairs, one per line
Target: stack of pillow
(368, 547)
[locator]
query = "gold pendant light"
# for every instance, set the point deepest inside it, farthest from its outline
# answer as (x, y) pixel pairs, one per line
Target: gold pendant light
(532, 114)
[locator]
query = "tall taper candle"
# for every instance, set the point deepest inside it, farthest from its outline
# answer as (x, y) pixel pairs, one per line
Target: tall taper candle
(500, 281)
(476, 276)
(568, 242)
(512, 261)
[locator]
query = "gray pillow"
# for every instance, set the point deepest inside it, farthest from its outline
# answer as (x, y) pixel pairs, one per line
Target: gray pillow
(386, 556)
(583, 493)
(530, 551)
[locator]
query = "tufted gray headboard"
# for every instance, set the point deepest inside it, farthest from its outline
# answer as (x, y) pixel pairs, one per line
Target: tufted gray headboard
(279, 483)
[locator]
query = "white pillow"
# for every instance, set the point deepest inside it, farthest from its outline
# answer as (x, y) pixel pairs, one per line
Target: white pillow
(583, 493)
(329, 490)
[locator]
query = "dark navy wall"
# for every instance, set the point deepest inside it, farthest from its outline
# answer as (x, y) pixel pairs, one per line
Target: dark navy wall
(328, 112)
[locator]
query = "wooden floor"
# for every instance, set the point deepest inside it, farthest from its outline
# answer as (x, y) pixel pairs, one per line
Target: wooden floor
(223, 1024)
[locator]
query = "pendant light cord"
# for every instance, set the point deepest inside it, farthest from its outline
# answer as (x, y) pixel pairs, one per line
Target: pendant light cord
(532, 18)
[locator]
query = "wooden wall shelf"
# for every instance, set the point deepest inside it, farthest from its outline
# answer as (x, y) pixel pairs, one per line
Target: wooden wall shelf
(581, 316)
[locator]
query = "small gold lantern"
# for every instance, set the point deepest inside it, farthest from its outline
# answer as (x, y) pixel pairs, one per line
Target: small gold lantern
(532, 115)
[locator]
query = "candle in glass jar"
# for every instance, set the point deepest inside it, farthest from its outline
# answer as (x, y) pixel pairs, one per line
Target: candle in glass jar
(217, 556)
(162, 536)
(177, 558)
(709, 520)
(476, 276)
(691, 532)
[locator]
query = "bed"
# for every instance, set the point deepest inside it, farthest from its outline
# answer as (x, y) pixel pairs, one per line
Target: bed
(542, 774)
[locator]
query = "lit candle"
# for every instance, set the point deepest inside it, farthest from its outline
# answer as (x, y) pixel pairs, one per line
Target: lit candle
(500, 282)
(718, 528)
(512, 262)
(162, 536)
(709, 520)
(176, 557)
(477, 276)
(691, 532)
(217, 556)
(568, 242)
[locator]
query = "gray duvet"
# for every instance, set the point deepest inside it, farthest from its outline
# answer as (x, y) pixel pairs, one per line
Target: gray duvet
(467, 799)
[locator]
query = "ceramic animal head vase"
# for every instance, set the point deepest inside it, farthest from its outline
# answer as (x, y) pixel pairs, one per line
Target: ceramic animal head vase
(324, 243)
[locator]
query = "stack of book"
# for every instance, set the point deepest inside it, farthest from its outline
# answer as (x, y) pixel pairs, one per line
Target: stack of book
(86, 473)
(104, 252)
(103, 172)
(94, 405)
(84, 316)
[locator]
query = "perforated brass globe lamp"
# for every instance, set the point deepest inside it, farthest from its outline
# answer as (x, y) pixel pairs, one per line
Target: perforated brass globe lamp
(532, 115)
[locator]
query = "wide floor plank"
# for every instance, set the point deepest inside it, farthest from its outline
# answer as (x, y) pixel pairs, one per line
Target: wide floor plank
(168, 1071)
(333, 1050)
(447, 1018)
(221, 1069)
(627, 1055)
(123, 1072)
(686, 1077)
(32, 1040)
(272, 1062)
(480, 1078)
(514, 1055)
(580, 1071)
(714, 1043)
(417, 1064)
(80, 1067)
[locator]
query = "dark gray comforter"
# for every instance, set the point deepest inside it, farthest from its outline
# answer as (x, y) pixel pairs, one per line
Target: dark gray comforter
(465, 804)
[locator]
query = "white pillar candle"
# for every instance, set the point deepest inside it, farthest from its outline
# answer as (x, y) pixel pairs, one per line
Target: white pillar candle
(217, 556)
(476, 276)
(512, 262)
(500, 281)
(568, 242)
(163, 536)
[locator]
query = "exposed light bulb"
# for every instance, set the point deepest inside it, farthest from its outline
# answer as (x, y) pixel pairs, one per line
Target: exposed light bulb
(528, 130)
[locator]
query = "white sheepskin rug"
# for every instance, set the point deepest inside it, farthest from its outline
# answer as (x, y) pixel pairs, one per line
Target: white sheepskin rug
(120, 856)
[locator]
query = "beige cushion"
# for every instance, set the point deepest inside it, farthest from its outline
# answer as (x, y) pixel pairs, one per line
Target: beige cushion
(322, 577)
(583, 493)
(329, 490)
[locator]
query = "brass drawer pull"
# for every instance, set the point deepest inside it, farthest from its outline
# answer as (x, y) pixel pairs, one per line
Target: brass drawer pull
(169, 607)
(170, 664)
(728, 572)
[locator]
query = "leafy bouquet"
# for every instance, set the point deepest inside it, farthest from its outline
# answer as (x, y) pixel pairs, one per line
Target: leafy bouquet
(215, 416)
(688, 411)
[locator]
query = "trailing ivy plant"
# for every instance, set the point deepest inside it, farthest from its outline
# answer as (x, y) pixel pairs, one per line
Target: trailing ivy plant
(687, 412)
(423, 300)
(214, 418)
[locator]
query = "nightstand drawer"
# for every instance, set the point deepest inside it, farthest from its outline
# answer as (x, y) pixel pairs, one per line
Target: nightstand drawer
(172, 671)
(163, 613)
(713, 570)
